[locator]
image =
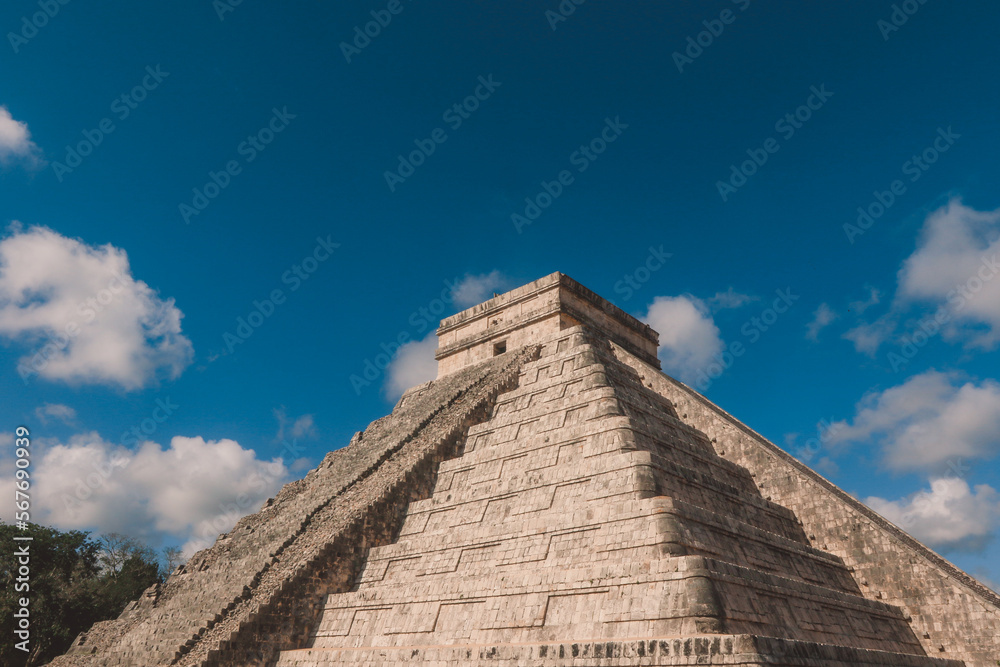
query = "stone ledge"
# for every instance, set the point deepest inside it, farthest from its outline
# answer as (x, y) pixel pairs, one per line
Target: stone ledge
(538, 309)
(695, 650)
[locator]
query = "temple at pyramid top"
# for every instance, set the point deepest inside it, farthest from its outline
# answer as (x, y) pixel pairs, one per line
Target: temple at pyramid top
(531, 313)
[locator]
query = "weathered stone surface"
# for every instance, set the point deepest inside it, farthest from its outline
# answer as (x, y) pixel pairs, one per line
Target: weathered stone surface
(951, 613)
(266, 577)
(562, 503)
(532, 313)
(703, 650)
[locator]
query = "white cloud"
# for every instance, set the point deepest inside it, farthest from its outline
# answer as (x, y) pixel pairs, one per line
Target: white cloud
(83, 316)
(868, 337)
(927, 422)
(953, 269)
(474, 289)
(413, 364)
(301, 427)
(304, 427)
(949, 516)
(859, 307)
(15, 141)
(957, 257)
(63, 413)
(689, 338)
(823, 316)
(193, 490)
(730, 299)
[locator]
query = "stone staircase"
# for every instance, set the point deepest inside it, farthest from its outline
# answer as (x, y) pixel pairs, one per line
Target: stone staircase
(586, 513)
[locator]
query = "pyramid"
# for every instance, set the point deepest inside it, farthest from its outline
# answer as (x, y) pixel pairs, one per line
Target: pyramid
(552, 498)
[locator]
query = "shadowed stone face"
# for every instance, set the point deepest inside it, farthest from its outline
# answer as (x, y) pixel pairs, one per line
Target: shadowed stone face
(553, 499)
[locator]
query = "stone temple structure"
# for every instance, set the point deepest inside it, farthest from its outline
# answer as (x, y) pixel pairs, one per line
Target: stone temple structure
(551, 499)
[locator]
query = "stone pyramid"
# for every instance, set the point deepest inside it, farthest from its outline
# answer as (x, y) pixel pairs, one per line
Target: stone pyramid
(554, 499)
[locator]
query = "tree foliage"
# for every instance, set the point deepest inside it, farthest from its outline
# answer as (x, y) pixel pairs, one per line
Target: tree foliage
(74, 581)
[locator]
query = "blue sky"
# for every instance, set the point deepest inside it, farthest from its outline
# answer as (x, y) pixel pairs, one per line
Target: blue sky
(267, 200)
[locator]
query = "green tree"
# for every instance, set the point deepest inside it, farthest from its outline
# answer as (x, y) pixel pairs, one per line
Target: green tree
(171, 559)
(60, 565)
(112, 592)
(116, 549)
(74, 582)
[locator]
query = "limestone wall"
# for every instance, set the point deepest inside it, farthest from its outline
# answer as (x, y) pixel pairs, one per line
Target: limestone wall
(952, 614)
(715, 530)
(259, 586)
(532, 313)
(586, 508)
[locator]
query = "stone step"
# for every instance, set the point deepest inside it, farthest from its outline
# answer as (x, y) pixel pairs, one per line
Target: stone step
(698, 650)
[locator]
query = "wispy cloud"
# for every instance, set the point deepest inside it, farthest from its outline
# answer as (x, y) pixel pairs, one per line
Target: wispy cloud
(730, 299)
(822, 318)
(476, 288)
(859, 307)
(63, 413)
(954, 270)
(300, 427)
(868, 337)
(15, 142)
